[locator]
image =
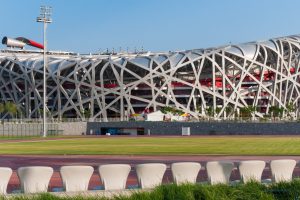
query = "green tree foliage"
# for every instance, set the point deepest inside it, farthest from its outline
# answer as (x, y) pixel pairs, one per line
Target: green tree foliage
(9, 107)
(210, 111)
(168, 109)
(218, 110)
(248, 111)
(290, 108)
(229, 110)
(276, 111)
(2, 108)
(86, 113)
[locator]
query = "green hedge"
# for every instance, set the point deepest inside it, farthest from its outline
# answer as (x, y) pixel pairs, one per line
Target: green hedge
(249, 191)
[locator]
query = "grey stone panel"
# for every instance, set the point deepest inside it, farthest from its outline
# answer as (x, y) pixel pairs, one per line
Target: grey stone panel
(203, 128)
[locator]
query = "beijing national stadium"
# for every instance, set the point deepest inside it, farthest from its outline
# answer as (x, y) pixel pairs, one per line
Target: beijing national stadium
(260, 74)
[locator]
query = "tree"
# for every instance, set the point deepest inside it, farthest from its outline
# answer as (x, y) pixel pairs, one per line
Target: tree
(87, 113)
(166, 109)
(290, 108)
(248, 111)
(252, 109)
(276, 111)
(244, 112)
(2, 108)
(210, 111)
(11, 108)
(229, 110)
(177, 111)
(218, 110)
(82, 112)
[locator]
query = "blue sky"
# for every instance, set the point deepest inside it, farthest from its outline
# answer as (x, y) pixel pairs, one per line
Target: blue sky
(158, 25)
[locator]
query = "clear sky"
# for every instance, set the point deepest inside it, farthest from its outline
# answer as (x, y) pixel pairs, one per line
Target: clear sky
(158, 25)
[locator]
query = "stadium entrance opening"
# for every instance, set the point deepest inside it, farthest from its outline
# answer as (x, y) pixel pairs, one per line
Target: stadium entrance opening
(122, 131)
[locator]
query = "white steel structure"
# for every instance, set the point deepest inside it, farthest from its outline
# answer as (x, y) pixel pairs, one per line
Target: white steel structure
(260, 74)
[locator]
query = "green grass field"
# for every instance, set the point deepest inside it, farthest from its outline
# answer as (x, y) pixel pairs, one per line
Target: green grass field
(249, 191)
(210, 145)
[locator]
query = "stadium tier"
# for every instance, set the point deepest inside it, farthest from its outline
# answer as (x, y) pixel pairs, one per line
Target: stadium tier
(262, 75)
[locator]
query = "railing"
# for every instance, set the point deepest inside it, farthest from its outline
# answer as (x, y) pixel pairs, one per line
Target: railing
(245, 120)
(27, 129)
(117, 119)
(57, 120)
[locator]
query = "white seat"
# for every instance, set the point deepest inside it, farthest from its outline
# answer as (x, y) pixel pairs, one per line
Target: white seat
(151, 174)
(218, 172)
(5, 174)
(282, 170)
(251, 170)
(34, 179)
(185, 172)
(114, 176)
(76, 178)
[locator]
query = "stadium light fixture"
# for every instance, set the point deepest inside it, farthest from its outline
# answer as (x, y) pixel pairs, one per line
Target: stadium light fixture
(45, 18)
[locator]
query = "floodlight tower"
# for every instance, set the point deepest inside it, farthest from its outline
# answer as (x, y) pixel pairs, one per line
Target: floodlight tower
(45, 18)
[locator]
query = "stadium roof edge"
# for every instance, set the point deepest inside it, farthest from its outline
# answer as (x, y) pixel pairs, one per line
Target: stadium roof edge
(246, 46)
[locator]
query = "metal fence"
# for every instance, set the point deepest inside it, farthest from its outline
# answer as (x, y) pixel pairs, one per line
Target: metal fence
(57, 120)
(28, 129)
(210, 119)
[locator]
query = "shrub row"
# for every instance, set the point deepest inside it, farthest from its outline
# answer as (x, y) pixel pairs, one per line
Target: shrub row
(249, 191)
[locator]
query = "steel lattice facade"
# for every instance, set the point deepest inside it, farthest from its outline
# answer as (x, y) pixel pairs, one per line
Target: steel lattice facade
(260, 74)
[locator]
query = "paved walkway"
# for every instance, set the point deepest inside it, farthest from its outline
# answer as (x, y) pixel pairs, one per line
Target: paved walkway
(16, 161)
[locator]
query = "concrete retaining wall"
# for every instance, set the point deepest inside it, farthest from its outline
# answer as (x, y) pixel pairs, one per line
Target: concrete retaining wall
(73, 128)
(157, 128)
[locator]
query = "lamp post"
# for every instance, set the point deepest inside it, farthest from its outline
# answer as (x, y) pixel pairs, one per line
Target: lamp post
(45, 18)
